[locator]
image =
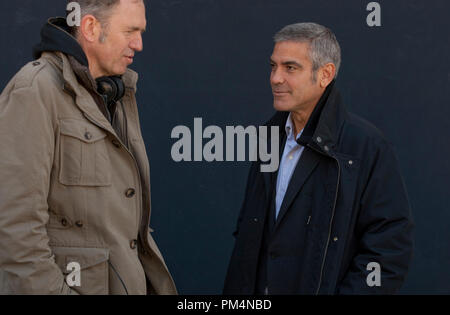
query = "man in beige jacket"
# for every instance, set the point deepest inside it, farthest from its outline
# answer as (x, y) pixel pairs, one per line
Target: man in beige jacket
(75, 181)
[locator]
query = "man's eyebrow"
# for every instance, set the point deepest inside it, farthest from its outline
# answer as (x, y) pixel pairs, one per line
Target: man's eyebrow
(135, 28)
(288, 63)
(291, 63)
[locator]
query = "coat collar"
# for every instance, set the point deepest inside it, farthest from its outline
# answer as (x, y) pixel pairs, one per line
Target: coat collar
(321, 133)
(82, 97)
(324, 125)
(129, 78)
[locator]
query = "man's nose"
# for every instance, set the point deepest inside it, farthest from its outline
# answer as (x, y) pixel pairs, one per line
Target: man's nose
(276, 77)
(136, 44)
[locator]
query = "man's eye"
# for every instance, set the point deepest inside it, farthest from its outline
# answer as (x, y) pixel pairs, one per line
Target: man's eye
(290, 68)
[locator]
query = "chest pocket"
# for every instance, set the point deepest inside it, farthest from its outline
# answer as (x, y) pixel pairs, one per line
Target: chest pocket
(84, 159)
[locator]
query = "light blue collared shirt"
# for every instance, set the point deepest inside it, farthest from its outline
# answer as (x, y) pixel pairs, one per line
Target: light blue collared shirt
(291, 155)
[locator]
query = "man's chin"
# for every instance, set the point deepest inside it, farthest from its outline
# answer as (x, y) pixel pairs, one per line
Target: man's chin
(116, 73)
(281, 106)
(122, 72)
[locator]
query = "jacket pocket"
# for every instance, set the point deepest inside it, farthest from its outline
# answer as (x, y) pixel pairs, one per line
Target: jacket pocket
(84, 159)
(93, 276)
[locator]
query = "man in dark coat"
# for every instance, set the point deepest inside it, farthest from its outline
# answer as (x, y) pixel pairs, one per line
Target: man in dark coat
(335, 217)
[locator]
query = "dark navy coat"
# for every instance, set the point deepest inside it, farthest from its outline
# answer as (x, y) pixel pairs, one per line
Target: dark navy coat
(345, 207)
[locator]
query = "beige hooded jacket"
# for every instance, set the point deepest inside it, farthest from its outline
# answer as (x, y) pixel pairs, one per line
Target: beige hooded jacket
(71, 191)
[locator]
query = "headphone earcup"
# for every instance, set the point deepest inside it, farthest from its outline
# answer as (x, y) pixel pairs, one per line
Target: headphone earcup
(120, 88)
(111, 88)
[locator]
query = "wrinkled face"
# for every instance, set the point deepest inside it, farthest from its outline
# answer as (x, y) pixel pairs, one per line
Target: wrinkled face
(292, 77)
(116, 47)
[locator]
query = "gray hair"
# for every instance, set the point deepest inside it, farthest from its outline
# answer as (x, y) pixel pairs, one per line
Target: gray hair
(324, 47)
(100, 9)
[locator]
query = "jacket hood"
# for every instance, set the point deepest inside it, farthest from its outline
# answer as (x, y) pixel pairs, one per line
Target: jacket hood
(55, 36)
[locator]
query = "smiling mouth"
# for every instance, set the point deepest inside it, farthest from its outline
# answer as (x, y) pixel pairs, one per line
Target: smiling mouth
(279, 93)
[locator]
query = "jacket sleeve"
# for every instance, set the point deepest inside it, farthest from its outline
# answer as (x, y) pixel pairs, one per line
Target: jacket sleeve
(384, 226)
(27, 140)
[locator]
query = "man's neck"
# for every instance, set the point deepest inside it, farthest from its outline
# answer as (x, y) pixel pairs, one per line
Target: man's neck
(300, 117)
(95, 73)
(92, 64)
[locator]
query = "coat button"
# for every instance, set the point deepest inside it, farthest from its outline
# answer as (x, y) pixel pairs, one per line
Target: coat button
(319, 139)
(133, 244)
(335, 239)
(116, 143)
(88, 135)
(130, 193)
(63, 222)
(79, 224)
(255, 220)
(350, 162)
(326, 148)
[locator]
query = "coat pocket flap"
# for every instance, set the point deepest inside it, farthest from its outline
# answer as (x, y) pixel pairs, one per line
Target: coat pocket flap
(85, 257)
(81, 130)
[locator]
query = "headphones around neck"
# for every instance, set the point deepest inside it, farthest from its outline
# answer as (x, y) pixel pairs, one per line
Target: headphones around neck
(111, 88)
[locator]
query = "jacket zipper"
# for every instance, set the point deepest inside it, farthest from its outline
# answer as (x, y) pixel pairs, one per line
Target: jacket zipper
(331, 225)
(331, 220)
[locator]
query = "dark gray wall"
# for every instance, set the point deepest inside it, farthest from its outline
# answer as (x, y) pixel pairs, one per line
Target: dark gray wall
(209, 59)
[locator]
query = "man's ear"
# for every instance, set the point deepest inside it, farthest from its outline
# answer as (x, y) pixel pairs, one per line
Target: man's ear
(90, 28)
(326, 74)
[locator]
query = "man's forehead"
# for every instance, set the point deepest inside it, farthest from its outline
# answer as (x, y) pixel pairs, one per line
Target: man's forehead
(137, 22)
(289, 50)
(132, 2)
(130, 6)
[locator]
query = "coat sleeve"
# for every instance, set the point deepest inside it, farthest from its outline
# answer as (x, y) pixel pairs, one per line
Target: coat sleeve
(27, 139)
(384, 226)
